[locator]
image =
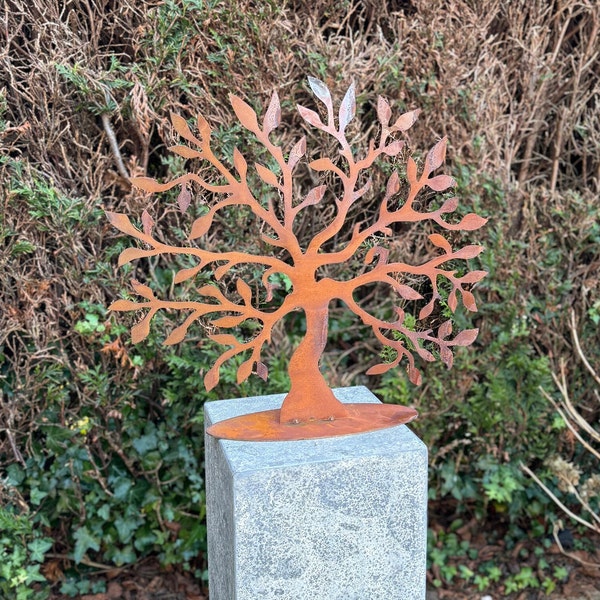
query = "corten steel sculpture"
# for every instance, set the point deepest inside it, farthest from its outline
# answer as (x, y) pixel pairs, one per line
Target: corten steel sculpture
(310, 409)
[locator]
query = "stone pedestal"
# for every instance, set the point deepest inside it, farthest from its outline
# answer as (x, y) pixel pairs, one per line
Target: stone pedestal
(341, 518)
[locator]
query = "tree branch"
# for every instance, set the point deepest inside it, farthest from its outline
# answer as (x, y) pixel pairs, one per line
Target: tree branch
(123, 223)
(114, 145)
(556, 501)
(245, 311)
(349, 196)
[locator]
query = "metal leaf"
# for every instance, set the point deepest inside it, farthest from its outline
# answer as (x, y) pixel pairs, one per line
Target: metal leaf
(321, 164)
(240, 163)
(449, 205)
(473, 277)
(142, 290)
(182, 128)
(436, 156)
(122, 223)
(270, 288)
(469, 301)
(297, 152)
(211, 379)
(222, 270)
(130, 254)
(425, 354)
(321, 91)
(394, 148)
(262, 371)
(468, 252)
(411, 170)
(244, 290)
(226, 339)
(446, 356)
(245, 113)
(471, 222)
(384, 112)
(380, 369)
(123, 305)
(427, 310)
(466, 337)
(414, 376)
(145, 183)
(266, 175)
(141, 330)
(452, 301)
(245, 370)
(185, 151)
(440, 183)
(201, 225)
(407, 292)
(393, 185)
(211, 291)
(272, 117)
(177, 335)
(441, 242)
(184, 198)
(310, 116)
(185, 274)
(347, 108)
(203, 127)
(229, 321)
(314, 196)
(147, 222)
(445, 329)
(406, 121)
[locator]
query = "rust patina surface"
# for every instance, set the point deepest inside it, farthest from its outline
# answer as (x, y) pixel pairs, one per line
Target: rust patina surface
(310, 409)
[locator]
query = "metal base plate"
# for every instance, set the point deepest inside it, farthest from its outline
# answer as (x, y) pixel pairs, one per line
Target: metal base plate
(266, 427)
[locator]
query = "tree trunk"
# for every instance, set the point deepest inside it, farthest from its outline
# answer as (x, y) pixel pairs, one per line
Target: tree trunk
(310, 398)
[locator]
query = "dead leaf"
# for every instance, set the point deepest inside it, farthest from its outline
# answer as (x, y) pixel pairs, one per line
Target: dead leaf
(114, 591)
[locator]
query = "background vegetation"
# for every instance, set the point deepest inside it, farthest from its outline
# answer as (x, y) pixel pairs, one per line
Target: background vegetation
(101, 442)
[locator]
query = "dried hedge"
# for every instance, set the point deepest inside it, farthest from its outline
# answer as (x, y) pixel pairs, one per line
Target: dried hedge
(85, 91)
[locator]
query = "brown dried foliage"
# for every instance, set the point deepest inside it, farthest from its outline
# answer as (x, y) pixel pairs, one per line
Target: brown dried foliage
(514, 86)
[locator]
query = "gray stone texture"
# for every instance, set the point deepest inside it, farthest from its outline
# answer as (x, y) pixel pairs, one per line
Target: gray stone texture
(340, 518)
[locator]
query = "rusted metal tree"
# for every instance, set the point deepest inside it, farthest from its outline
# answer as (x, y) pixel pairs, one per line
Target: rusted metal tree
(310, 408)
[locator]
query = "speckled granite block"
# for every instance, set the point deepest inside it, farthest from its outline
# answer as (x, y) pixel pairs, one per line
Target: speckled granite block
(340, 518)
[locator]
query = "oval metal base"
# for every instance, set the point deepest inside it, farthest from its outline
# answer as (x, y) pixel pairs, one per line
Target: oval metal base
(266, 427)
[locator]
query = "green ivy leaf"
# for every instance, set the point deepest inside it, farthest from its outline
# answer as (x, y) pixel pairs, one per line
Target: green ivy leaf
(38, 549)
(124, 556)
(125, 528)
(145, 443)
(36, 496)
(84, 542)
(121, 487)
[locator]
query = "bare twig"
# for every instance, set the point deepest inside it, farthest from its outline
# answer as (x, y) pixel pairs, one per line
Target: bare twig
(566, 400)
(100, 567)
(13, 445)
(555, 530)
(114, 145)
(568, 423)
(9, 434)
(552, 497)
(574, 421)
(580, 353)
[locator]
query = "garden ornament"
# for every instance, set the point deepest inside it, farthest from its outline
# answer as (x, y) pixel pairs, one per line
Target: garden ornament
(310, 408)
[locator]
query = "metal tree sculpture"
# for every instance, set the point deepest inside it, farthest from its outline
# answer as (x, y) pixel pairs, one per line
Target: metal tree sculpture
(310, 409)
